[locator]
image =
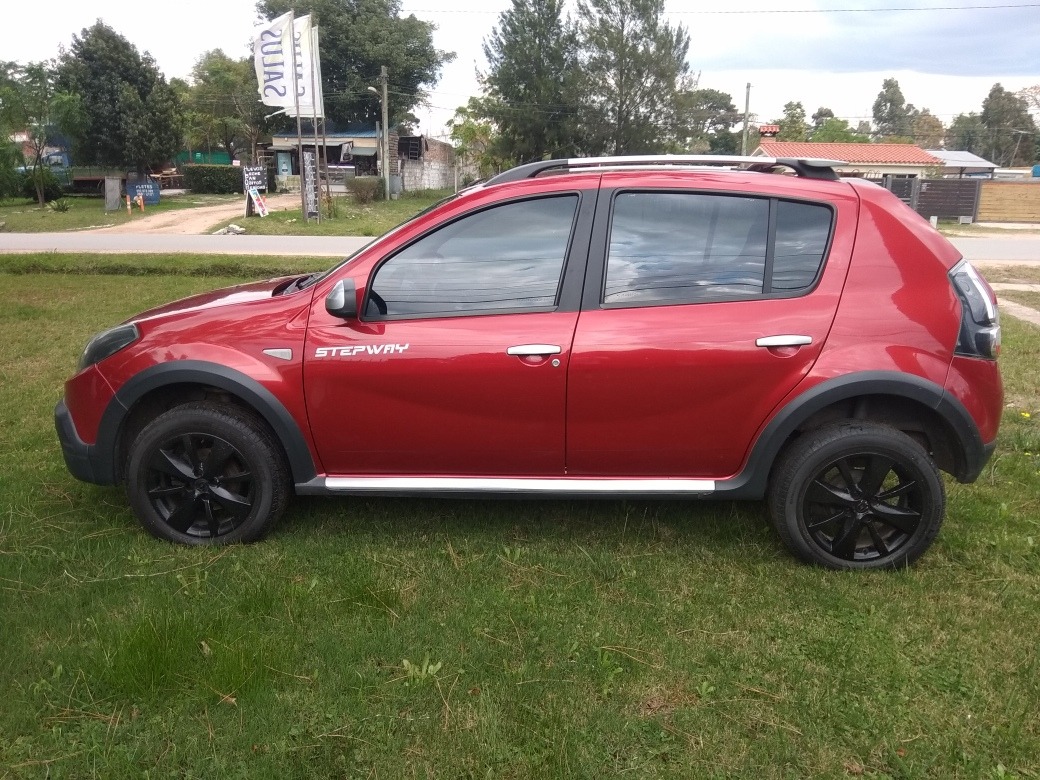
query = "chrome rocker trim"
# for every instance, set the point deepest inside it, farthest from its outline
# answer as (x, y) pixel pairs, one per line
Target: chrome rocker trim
(510, 486)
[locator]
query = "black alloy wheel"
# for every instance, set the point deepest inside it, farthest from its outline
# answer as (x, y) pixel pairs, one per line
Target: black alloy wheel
(857, 495)
(200, 485)
(862, 507)
(207, 474)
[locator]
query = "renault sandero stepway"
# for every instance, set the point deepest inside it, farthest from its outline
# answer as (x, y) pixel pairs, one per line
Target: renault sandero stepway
(651, 327)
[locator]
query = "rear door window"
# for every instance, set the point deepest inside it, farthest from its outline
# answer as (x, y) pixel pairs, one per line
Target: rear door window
(675, 247)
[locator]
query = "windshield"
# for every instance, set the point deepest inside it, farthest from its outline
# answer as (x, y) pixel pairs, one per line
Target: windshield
(313, 279)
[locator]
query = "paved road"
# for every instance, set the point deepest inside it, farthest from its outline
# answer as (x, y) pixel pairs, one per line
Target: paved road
(980, 249)
(302, 246)
(999, 249)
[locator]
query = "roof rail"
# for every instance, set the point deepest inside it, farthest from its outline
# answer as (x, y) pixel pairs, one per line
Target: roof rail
(805, 167)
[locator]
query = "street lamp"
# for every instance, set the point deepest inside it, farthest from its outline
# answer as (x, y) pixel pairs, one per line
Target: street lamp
(385, 144)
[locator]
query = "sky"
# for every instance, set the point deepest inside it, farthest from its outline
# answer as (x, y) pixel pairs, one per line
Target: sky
(946, 54)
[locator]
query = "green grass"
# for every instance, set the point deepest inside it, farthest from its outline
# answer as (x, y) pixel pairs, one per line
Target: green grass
(348, 219)
(951, 227)
(252, 267)
(413, 638)
(1031, 299)
(1018, 274)
(23, 216)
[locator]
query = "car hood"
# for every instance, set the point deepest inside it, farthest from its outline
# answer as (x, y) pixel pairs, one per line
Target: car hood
(226, 296)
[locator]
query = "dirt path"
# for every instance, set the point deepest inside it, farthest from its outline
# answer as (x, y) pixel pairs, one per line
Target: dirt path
(199, 220)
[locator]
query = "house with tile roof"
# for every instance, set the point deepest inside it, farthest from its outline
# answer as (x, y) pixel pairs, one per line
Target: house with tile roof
(871, 161)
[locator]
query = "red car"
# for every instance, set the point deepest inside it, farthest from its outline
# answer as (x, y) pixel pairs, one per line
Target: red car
(649, 327)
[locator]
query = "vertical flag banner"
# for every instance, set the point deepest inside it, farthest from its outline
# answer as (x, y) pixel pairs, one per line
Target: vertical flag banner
(273, 61)
(308, 70)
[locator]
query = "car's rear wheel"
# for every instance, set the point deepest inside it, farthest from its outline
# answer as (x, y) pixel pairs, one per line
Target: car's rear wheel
(207, 474)
(857, 495)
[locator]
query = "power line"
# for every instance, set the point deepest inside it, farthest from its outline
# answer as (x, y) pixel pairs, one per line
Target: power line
(763, 11)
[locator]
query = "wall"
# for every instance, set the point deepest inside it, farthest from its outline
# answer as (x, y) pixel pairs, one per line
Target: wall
(428, 175)
(1010, 201)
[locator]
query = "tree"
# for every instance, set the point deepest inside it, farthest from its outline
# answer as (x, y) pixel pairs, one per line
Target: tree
(1031, 97)
(10, 154)
(633, 66)
(1011, 128)
(927, 130)
(530, 86)
(793, 126)
(131, 116)
(223, 103)
(476, 141)
(705, 117)
(821, 115)
(833, 130)
(966, 133)
(893, 116)
(42, 112)
(359, 36)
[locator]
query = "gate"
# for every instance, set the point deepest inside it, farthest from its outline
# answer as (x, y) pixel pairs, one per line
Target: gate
(943, 198)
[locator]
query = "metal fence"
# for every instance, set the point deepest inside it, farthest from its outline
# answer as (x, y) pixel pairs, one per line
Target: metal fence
(942, 198)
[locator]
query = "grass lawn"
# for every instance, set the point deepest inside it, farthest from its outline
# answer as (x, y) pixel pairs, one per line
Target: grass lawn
(348, 218)
(24, 216)
(1031, 299)
(393, 638)
(953, 228)
(1017, 274)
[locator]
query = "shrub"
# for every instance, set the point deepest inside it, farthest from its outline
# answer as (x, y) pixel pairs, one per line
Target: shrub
(61, 205)
(364, 188)
(10, 179)
(213, 179)
(52, 189)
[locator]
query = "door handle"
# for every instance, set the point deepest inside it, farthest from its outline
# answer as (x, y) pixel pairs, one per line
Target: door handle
(529, 350)
(789, 340)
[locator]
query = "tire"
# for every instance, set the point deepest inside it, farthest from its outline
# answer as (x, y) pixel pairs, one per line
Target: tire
(205, 474)
(857, 495)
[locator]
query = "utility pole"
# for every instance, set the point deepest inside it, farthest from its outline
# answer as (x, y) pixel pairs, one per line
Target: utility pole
(747, 114)
(384, 143)
(386, 133)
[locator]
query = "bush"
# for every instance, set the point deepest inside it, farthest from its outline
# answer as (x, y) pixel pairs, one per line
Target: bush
(10, 179)
(213, 179)
(364, 188)
(52, 189)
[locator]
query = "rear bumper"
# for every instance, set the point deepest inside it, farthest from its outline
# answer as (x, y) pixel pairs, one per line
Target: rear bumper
(975, 462)
(80, 458)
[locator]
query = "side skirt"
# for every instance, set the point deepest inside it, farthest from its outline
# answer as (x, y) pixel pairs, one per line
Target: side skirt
(520, 487)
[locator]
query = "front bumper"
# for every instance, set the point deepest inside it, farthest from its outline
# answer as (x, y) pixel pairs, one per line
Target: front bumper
(80, 458)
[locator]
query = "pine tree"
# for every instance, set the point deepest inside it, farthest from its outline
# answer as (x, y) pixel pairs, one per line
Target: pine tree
(633, 68)
(530, 86)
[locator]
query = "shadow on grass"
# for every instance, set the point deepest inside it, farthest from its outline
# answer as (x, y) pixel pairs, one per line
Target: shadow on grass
(412, 521)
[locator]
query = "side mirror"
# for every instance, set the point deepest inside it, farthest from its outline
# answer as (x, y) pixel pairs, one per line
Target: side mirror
(342, 301)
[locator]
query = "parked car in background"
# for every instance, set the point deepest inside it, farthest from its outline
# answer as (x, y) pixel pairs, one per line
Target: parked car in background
(650, 327)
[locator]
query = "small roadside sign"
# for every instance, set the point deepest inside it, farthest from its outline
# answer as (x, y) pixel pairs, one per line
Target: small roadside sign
(258, 202)
(254, 177)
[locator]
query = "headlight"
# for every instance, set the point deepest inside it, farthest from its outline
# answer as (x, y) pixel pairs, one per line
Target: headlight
(107, 343)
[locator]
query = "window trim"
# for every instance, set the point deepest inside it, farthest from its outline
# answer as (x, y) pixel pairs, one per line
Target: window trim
(573, 242)
(604, 230)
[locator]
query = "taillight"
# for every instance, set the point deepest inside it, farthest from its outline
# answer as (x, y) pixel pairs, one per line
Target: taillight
(980, 320)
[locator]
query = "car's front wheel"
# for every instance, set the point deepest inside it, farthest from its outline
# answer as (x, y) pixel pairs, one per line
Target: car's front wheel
(857, 495)
(204, 473)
